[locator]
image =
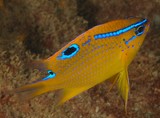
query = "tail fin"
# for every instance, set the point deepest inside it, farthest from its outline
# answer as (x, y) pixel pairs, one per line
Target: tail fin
(32, 90)
(41, 65)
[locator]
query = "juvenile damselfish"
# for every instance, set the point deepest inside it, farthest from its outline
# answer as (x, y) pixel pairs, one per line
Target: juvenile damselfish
(101, 53)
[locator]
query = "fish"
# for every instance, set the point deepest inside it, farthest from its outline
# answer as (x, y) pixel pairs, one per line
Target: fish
(104, 52)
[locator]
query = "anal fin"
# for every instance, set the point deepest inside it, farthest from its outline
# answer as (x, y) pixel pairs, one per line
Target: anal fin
(69, 93)
(123, 86)
(113, 80)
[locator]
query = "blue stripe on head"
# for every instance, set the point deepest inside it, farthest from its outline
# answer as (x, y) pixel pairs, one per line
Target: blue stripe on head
(120, 31)
(132, 38)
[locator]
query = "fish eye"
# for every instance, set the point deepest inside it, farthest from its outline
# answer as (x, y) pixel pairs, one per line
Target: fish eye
(69, 52)
(139, 30)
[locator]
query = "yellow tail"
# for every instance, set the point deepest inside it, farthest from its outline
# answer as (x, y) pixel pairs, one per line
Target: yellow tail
(41, 65)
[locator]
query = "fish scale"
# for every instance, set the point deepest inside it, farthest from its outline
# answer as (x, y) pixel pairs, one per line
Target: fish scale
(98, 54)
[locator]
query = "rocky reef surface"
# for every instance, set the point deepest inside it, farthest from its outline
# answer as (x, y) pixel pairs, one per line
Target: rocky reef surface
(36, 29)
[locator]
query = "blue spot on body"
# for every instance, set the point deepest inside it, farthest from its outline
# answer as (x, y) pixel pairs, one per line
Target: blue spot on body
(87, 42)
(51, 75)
(69, 52)
(120, 31)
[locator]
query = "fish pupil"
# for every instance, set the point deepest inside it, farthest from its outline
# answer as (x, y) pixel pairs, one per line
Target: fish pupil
(69, 50)
(139, 30)
(51, 73)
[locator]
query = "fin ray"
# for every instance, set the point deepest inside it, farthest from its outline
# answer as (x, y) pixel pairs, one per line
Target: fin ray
(113, 80)
(123, 86)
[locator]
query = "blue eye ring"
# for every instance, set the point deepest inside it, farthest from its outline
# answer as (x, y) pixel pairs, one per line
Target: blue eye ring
(69, 52)
(139, 30)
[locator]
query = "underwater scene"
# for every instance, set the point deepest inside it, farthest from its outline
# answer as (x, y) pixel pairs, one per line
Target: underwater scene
(79, 59)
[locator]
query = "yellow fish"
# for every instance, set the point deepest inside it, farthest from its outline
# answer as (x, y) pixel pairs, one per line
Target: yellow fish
(98, 54)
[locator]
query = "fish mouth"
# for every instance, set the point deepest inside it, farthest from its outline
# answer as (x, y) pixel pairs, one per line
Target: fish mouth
(147, 21)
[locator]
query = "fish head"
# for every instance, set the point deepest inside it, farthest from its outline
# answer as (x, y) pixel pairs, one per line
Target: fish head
(139, 28)
(134, 35)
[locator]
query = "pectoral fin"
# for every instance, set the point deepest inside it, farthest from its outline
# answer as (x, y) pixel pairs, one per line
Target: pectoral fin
(69, 93)
(123, 86)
